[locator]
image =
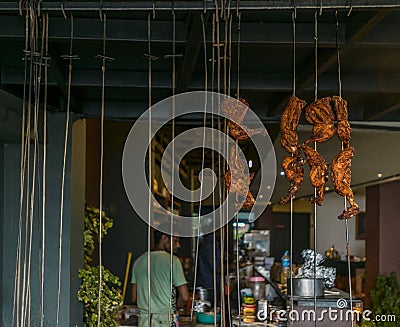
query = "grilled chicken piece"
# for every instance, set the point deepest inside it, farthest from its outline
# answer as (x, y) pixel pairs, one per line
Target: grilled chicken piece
(289, 120)
(320, 115)
(239, 133)
(318, 172)
(234, 109)
(342, 116)
(341, 178)
(293, 168)
(236, 180)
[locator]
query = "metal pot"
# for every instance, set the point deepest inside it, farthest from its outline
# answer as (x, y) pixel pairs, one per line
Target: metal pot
(304, 287)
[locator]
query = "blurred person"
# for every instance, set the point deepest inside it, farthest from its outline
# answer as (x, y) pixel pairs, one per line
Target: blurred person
(162, 314)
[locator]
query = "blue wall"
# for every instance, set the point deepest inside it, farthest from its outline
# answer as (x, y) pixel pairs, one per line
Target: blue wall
(10, 218)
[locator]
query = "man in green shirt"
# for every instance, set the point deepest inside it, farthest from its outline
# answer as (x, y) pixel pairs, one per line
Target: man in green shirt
(161, 313)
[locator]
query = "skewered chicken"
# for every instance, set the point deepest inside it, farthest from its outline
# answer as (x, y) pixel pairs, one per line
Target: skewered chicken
(236, 180)
(320, 114)
(318, 172)
(249, 201)
(341, 178)
(342, 116)
(239, 133)
(234, 109)
(293, 168)
(289, 120)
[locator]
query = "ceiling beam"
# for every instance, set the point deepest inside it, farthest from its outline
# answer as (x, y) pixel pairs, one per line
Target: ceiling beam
(356, 29)
(193, 45)
(146, 6)
(251, 82)
(276, 33)
(126, 30)
(383, 112)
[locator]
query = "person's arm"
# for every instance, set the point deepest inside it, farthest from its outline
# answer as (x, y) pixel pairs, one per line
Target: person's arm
(183, 296)
(134, 293)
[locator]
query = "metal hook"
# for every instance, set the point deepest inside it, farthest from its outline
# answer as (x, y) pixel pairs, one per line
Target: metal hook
(63, 10)
(237, 8)
(320, 7)
(173, 7)
(154, 10)
(101, 10)
(350, 9)
(204, 6)
(294, 9)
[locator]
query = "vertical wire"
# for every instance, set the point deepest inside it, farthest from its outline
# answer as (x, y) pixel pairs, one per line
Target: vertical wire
(173, 158)
(64, 166)
(103, 71)
(36, 90)
(239, 14)
(226, 154)
(291, 198)
(17, 274)
(315, 148)
(214, 27)
(28, 136)
(150, 170)
(44, 171)
(344, 198)
(238, 55)
(202, 160)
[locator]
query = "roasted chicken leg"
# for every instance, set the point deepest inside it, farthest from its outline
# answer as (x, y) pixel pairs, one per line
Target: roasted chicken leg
(293, 168)
(239, 133)
(320, 115)
(318, 172)
(236, 180)
(342, 116)
(341, 178)
(289, 120)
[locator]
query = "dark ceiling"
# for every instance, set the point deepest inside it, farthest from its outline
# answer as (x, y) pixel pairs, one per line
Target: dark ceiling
(369, 39)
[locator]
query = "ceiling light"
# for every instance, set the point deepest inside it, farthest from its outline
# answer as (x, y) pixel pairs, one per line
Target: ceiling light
(327, 188)
(269, 203)
(282, 173)
(250, 163)
(379, 175)
(268, 187)
(261, 196)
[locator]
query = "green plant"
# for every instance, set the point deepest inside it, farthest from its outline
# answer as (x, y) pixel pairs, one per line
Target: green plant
(385, 302)
(91, 233)
(111, 298)
(89, 295)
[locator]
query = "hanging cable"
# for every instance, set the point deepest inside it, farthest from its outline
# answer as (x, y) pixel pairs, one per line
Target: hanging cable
(344, 198)
(291, 198)
(149, 169)
(315, 148)
(202, 159)
(32, 52)
(172, 290)
(70, 58)
(17, 275)
(46, 17)
(239, 14)
(214, 28)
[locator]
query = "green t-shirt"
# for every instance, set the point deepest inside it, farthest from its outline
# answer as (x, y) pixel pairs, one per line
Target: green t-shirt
(160, 282)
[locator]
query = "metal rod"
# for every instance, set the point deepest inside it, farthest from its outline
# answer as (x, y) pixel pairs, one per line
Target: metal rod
(204, 6)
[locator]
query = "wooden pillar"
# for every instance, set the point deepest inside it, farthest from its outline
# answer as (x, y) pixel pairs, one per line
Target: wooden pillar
(382, 233)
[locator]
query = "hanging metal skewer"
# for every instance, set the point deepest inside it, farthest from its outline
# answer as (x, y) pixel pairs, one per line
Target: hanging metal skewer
(315, 148)
(345, 200)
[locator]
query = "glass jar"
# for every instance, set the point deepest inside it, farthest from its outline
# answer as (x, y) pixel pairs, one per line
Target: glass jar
(257, 284)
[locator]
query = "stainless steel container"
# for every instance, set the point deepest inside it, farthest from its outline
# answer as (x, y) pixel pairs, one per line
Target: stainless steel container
(304, 287)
